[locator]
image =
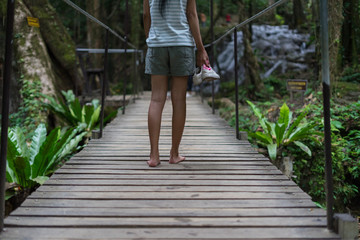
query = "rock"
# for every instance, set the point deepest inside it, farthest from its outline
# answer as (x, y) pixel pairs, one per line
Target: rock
(272, 44)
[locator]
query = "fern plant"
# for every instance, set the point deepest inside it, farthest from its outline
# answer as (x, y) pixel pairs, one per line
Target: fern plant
(31, 164)
(283, 132)
(73, 113)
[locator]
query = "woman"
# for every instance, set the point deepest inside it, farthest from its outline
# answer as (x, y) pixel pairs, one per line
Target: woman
(172, 31)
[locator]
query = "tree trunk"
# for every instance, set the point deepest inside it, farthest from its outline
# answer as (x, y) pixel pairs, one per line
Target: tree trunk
(335, 23)
(271, 14)
(94, 31)
(33, 61)
(252, 82)
(298, 14)
(350, 32)
(60, 46)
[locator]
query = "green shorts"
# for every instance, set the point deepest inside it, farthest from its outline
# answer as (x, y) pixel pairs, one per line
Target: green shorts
(171, 61)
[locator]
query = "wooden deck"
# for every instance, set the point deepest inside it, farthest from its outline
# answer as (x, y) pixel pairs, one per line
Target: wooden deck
(224, 189)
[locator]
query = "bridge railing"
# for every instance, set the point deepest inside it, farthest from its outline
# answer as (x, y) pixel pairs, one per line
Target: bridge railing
(325, 79)
(128, 48)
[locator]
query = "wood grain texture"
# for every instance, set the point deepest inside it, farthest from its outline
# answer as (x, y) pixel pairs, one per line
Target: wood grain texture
(223, 190)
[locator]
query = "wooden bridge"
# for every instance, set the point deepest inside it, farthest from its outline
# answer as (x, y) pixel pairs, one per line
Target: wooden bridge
(224, 189)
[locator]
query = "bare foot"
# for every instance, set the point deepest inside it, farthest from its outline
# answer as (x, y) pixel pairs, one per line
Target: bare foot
(176, 158)
(153, 162)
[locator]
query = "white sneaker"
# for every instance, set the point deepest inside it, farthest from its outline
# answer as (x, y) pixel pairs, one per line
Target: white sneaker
(204, 74)
(208, 74)
(197, 79)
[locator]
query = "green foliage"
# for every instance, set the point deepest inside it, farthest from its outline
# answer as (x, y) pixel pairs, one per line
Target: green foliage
(29, 165)
(29, 114)
(71, 111)
(351, 75)
(283, 132)
(309, 171)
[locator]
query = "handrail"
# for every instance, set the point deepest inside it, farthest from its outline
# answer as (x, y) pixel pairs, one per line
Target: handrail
(246, 22)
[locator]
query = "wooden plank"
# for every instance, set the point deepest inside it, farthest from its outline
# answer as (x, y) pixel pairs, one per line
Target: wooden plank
(168, 212)
(164, 233)
(166, 166)
(171, 182)
(101, 222)
(167, 195)
(76, 188)
(166, 177)
(223, 204)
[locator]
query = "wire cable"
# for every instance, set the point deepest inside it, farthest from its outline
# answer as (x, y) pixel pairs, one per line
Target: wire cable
(77, 8)
(247, 21)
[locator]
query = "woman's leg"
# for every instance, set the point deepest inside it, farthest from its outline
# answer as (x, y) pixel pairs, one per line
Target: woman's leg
(159, 85)
(178, 98)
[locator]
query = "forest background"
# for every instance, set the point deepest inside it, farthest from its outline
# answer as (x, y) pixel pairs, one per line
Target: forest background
(45, 62)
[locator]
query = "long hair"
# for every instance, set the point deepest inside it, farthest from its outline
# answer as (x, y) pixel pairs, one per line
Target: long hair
(162, 6)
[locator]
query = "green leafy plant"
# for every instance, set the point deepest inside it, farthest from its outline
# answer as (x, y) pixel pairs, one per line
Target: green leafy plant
(73, 113)
(31, 164)
(283, 132)
(30, 112)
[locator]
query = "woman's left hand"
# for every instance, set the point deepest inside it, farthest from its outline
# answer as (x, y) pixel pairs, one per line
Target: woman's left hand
(202, 58)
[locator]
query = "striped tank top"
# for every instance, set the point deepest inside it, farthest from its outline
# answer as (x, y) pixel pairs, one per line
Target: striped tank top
(171, 29)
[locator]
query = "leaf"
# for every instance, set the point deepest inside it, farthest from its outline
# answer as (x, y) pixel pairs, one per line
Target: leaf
(59, 145)
(94, 118)
(279, 133)
(66, 147)
(302, 132)
(257, 114)
(17, 137)
(69, 96)
(42, 159)
(272, 149)
(284, 115)
(303, 147)
(88, 111)
(337, 124)
(10, 174)
(12, 153)
(9, 194)
(22, 172)
(265, 139)
(76, 110)
(38, 139)
(41, 179)
(270, 129)
(95, 103)
(296, 122)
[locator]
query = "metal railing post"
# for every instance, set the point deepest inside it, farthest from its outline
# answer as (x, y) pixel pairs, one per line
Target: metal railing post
(326, 95)
(236, 86)
(125, 47)
(124, 82)
(104, 82)
(5, 105)
(135, 90)
(212, 54)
